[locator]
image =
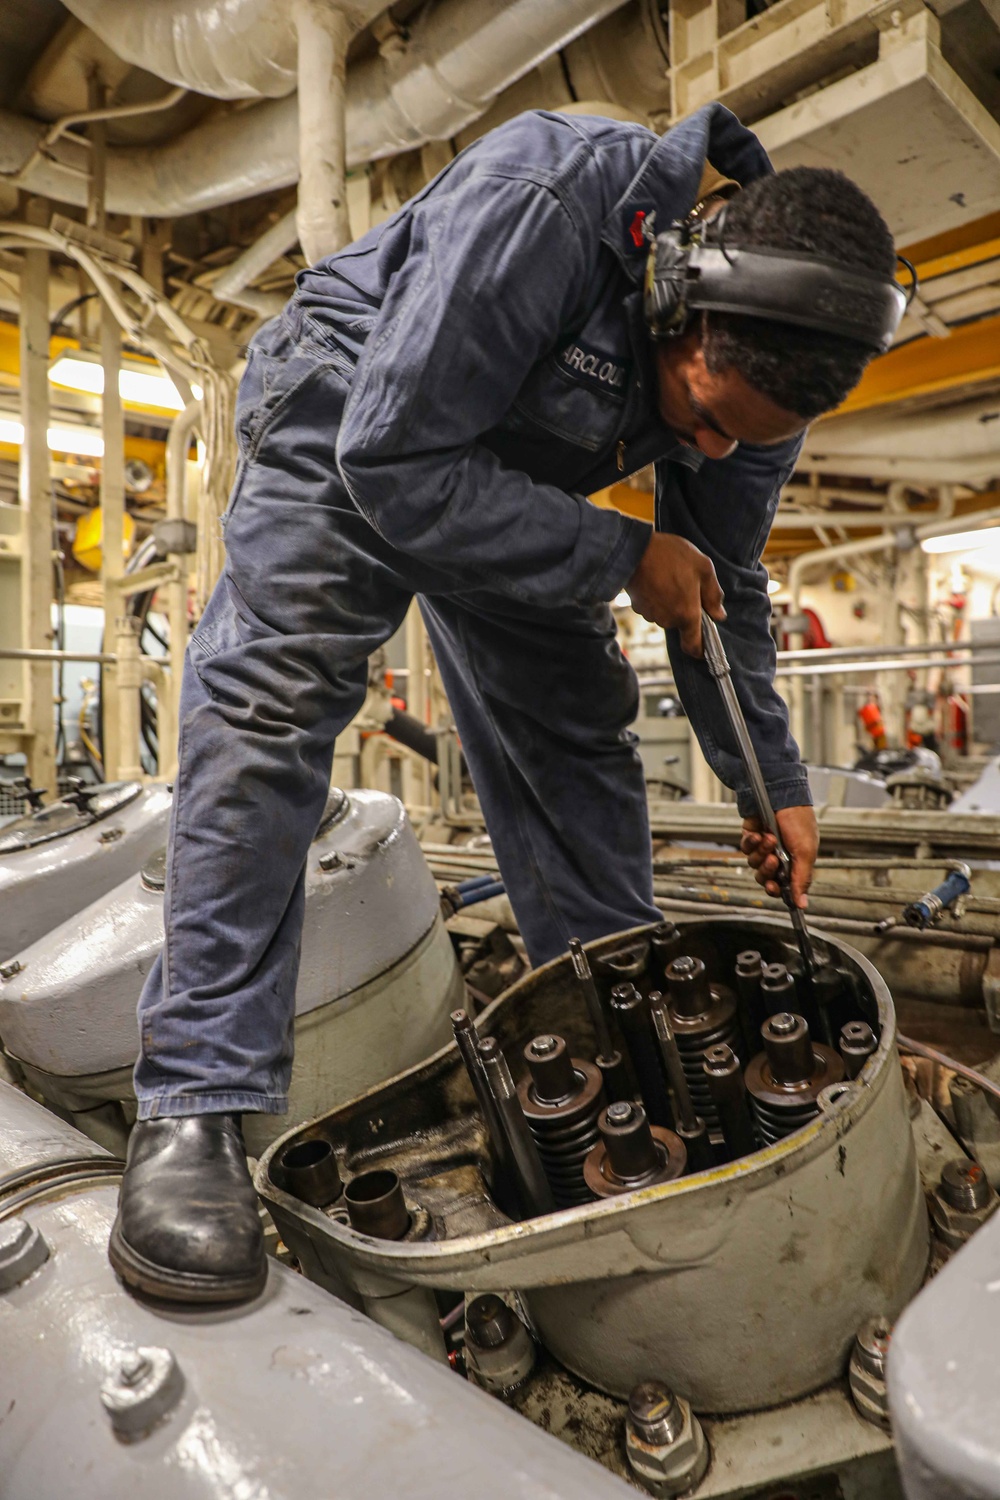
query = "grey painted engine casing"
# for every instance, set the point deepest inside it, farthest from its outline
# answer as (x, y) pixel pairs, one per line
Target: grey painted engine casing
(742, 1286)
(944, 1387)
(42, 886)
(292, 1397)
(377, 979)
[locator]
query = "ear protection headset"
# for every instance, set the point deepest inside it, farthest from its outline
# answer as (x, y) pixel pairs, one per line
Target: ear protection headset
(690, 267)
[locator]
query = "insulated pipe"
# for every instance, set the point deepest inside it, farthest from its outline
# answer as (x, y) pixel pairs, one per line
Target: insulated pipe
(886, 541)
(229, 49)
(273, 243)
(323, 35)
(178, 442)
(460, 56)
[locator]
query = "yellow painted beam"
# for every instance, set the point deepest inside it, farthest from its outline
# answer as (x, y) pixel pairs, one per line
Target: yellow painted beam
(636, 503)
(969, 356)
(953, 241)
(957, 260)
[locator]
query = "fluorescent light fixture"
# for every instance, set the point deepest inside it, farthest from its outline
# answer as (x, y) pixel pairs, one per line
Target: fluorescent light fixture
(774, 586)
(963, 541)
(86, 441)
(138, 387)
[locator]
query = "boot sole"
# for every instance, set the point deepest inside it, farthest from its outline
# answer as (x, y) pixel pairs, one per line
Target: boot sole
(180, 1286)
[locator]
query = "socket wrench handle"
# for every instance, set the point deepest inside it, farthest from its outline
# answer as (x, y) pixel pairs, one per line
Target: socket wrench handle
(718, 664)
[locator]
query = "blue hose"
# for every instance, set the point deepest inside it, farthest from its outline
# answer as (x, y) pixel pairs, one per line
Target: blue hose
(481, 892)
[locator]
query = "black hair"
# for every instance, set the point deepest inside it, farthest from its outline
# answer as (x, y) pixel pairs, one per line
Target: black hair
(823, 213)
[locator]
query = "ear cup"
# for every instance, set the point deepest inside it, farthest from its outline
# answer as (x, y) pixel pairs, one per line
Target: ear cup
(666, 277)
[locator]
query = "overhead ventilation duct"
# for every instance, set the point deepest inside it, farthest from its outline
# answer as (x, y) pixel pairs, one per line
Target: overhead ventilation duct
(228, 49)
(459, 56)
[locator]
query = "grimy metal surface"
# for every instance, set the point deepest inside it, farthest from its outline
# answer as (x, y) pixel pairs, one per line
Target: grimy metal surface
(293, 1397)
(741, 1287)
(944, 1393)
(377, 978)
(41, 887)
(874, 830)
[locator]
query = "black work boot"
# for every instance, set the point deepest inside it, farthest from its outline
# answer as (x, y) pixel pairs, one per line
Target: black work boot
(188, 1228)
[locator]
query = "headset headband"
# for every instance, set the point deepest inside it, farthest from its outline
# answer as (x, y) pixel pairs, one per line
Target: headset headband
(686, 274)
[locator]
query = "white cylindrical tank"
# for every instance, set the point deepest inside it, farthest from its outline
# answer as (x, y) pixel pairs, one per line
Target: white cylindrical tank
(377, 979)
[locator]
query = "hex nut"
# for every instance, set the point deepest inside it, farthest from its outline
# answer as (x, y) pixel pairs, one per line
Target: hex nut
(22, 1250)
(866, 1373)
(502, 1362)
(143, 1390)
(955, 1226)
(670, 1468)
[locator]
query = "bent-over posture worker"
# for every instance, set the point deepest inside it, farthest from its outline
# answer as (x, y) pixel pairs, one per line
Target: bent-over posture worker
(425, 418)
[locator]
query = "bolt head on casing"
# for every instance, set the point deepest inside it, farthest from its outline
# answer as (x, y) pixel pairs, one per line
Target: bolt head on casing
(144, 1389)
(22, 1250)
(962, 1203)
(499, 1350)
(866, 1372)
(665, 1467)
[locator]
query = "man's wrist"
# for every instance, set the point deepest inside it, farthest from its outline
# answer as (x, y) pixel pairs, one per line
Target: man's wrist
(788, 791)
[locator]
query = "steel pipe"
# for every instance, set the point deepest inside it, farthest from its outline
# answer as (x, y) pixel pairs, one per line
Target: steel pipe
(323, 34)
(460, 55)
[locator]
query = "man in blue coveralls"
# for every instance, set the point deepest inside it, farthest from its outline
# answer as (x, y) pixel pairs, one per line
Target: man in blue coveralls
(425, 418)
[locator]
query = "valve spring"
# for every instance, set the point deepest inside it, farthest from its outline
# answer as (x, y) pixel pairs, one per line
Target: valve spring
(774, 1124)
(692, 1049)
(785, 1080)
(562, 1099)
(702, 1015)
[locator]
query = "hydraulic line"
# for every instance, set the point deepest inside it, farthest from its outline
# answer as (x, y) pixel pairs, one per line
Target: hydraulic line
(921, 1049)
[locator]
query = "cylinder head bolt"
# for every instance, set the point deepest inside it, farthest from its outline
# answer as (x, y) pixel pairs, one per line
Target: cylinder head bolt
(866, 1373)
(665, 1445)
(724, 1078)
(561, 1099)
(144, 1389)
(962, 1203)
(632, 1012)
(22, 1250)
(702, 1015)
(632, 1153)
(857, 1043)
(664, 947)
(499, 1350)
(749, 972)
(784, 1080)
(777, 989)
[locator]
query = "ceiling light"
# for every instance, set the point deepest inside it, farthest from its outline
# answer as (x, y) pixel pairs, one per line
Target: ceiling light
(963, 541)
(137, 387)
(86, 441)
(774, 586)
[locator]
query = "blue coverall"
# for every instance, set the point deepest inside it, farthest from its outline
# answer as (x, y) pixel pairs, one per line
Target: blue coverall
(425, 418)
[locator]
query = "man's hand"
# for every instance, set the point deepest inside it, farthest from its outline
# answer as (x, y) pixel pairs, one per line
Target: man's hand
(671, 586)
(800, 836)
